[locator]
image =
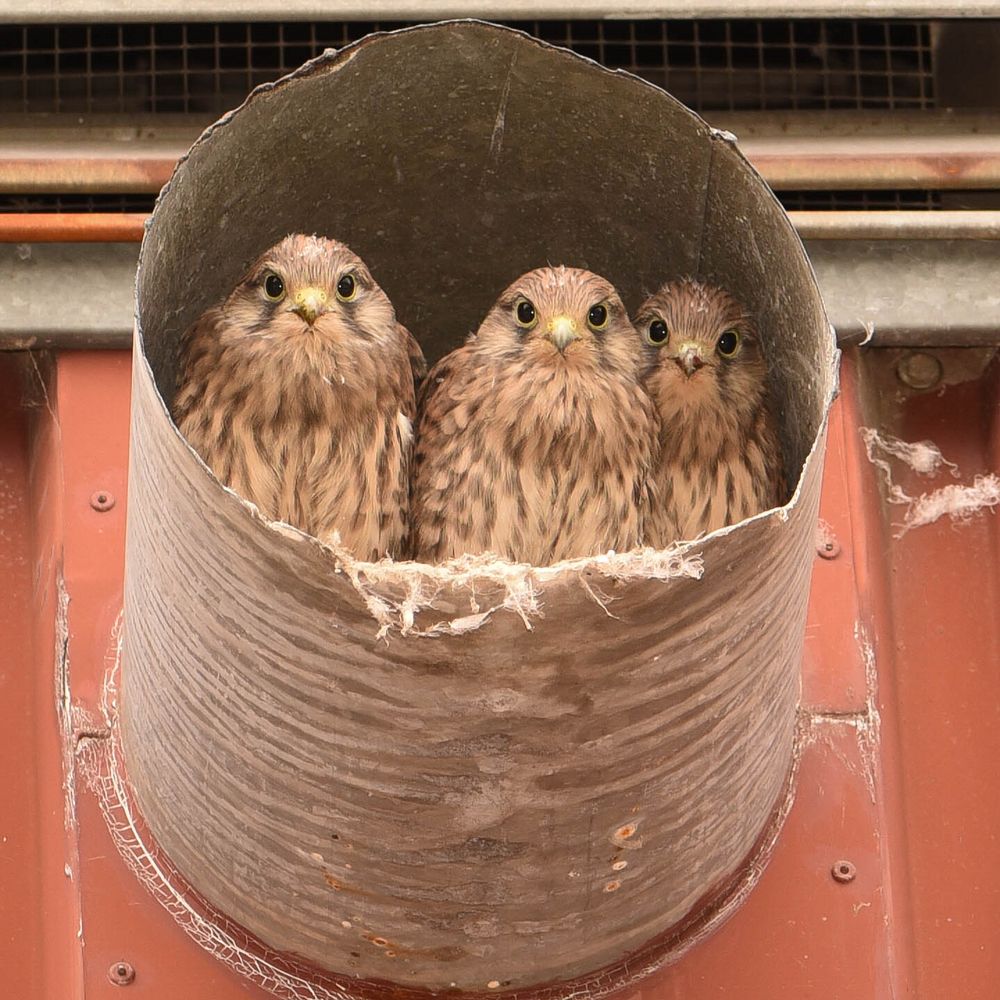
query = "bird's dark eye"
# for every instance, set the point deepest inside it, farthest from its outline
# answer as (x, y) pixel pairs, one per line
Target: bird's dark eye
(274, 287)
(347, 288)
(598, 316)
(657, 332)
(525, 313)
(728, 343)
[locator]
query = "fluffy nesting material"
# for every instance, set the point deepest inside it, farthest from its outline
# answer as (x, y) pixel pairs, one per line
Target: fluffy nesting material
(924, 457)
(958, 502)
(396, 592)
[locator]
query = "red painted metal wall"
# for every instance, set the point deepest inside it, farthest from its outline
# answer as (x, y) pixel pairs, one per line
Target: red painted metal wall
(900, 720)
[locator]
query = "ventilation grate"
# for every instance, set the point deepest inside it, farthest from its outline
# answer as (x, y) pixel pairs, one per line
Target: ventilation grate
(791, 200)
(711, 65)
(858, 200)
(76, 203)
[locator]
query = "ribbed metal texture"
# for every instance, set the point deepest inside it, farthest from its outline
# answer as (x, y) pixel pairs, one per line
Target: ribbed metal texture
(457, 810)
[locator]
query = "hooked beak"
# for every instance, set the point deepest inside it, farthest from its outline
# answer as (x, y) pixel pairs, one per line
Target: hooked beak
(562, 331)
(310, 303)
(689, 359)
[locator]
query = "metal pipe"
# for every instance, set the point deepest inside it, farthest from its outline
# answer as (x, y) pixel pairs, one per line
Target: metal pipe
(127, 227)
(907, 279)
(60, 227)
(793, 151)
(887, 225)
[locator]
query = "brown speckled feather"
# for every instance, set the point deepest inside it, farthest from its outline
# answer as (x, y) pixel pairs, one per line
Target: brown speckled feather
(530, 452)
(720, 458)
(304, 405)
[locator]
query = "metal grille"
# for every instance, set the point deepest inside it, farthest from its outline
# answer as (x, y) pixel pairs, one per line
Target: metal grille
(711, 65)
(858, 200)
(791, 200)
(77, 203)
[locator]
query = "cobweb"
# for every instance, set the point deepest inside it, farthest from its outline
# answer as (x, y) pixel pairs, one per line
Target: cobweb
(100, 762)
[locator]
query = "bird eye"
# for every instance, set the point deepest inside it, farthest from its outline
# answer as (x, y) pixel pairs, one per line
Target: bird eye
(525, 313)
(347, 288)
(728, 343)
(657, 332)
(274, 287)
(597, 318)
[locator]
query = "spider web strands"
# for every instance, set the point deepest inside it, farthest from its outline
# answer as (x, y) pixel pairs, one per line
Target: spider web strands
(100, 763)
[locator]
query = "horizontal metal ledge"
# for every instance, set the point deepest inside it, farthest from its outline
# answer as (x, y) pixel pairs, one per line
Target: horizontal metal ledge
(60, 154)
(283, 10)
(889, 293)
(125, 227)
(914, 225)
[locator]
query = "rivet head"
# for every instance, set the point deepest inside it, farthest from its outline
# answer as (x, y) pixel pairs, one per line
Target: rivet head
(829, 548)
(919, 370)
(121, 973)
(102, 500)
(843, 871)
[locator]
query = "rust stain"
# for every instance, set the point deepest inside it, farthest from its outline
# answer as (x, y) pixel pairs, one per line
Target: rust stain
(624, 837)
(446, 953)
(335, 883)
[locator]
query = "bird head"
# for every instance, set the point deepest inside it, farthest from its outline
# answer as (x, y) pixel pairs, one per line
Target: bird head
(559, 316)
(703, 349)
(312, 293)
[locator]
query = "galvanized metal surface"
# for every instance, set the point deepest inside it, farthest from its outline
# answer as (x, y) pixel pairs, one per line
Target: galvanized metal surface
(912, 226)
(143, 10)
(911, 293)
(905, 628)
(56, 295)
(884, 292)
(482, 837)
(151, 10)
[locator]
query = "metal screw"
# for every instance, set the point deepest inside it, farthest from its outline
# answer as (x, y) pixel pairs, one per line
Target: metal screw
(102, 500)
(121, 974)
(828, 549)
(843, 871)
(919, 370)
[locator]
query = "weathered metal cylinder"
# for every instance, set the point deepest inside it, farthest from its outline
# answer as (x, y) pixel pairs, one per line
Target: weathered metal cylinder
(492, 803)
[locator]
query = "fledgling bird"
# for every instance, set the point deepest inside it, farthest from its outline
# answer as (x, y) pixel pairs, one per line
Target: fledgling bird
(297, 390)
(535, 438)
(719, 455)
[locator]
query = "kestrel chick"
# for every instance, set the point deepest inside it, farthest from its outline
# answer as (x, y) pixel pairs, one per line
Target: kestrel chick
(720, 460)
(535, 439)
(297, 390)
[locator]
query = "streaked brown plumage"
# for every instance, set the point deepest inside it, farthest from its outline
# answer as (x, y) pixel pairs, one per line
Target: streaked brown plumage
(298, 392)
(535, 438)
(720, 459)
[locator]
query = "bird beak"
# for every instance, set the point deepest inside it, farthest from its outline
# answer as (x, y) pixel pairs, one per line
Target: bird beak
(689, 359)
(309, 303)
(561, 331)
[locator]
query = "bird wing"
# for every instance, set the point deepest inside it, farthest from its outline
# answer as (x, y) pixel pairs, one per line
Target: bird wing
(441, 454)
(198, 354)
(436, 391)
(418, 363)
